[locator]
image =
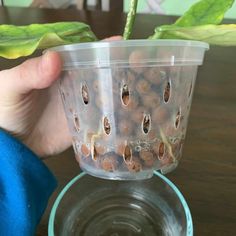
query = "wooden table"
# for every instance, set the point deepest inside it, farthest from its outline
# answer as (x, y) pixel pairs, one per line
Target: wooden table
(207, 172)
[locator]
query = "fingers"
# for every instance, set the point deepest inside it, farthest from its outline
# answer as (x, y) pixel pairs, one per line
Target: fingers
(113, 38)
(36, 73)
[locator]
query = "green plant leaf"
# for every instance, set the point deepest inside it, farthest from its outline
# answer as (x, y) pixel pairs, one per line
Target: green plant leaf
(205, 12)
(17, 41)
(222, 35)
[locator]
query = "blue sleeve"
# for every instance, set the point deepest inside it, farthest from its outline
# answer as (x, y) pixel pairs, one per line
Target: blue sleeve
(25, 187)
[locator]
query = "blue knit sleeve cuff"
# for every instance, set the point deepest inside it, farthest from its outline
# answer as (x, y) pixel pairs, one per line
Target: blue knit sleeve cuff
(25, 187)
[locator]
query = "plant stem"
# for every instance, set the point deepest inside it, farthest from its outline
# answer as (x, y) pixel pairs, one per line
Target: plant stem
(130, 19)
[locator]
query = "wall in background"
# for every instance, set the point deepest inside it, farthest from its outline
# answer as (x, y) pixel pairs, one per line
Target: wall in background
(54, 3)
(173, 7)
(20, 3)
(168, 7)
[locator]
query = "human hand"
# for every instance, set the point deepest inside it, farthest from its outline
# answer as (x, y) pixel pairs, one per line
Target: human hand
(31, 107)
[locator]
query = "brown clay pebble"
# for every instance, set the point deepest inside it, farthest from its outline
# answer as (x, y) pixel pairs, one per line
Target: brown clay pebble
(137, 115)
(125, 127)
(124, 75)
(146, 155)
(85, 150)
(143, 86)
(134, 165)
(130, 77)
(133, 103)
(155, 75)
(152, 100)
(119, 74)
(109, 163)
(136, 61)
(100, 149)
(149, 163)
(160, 115)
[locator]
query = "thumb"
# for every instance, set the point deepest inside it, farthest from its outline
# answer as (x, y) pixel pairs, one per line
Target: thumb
(36, 73)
